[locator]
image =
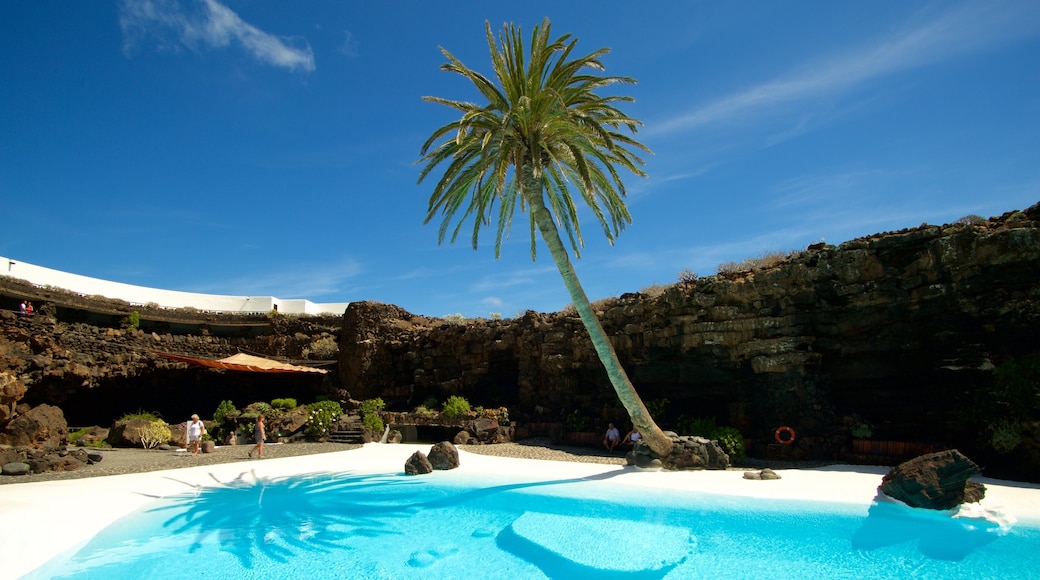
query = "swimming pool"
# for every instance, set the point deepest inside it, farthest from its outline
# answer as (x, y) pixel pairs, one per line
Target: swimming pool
(453, 524)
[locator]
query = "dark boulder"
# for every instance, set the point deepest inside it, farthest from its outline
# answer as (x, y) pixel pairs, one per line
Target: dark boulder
(689, 452)
(417, 464)
(42, 427)
(938, 481)
(444, 456)
(16, 468)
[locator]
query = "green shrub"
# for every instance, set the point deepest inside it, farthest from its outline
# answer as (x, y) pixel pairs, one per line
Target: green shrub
(1011, 398)
(139, 414)
(862, 431)
(373, 422)
(323, 416)
(370, 406)
(1006, 437)
(423, 411)
(325, 348)
(225, 410)
(700, 426)
(254, 410)
(456, 407)
(454, 319)
(730, 440)
(157, 432)
(576, 422)
(132, 321)
(288, 404)
(657, 407)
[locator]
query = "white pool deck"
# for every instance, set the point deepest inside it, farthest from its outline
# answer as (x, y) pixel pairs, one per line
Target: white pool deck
(42, 520)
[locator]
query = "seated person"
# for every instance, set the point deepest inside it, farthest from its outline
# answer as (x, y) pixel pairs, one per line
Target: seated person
(612, 438)
(632, 437)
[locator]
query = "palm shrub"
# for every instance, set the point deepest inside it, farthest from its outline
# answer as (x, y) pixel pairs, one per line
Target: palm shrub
(323, 415)
(541, 137)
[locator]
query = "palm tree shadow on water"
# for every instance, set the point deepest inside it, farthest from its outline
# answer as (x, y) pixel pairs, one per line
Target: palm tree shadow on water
(282, 518)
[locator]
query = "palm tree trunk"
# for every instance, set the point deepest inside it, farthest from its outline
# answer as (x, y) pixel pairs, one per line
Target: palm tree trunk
(652, 434)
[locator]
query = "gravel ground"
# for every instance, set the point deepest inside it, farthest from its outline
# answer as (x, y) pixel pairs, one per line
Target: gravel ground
(128, 460)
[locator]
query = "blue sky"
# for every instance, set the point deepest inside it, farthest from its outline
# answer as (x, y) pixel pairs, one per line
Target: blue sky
(254, 147)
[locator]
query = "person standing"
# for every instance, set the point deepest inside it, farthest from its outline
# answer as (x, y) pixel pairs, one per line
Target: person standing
(193, 435)
(258, 437)
(21, 309)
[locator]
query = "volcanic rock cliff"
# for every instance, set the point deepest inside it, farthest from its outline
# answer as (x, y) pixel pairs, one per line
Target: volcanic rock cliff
(899, 332)
(77, 353)
(896, 335)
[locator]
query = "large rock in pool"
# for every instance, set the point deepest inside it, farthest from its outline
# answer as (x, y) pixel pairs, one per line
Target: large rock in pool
(444, 456)
(417, 464)
(938, 481)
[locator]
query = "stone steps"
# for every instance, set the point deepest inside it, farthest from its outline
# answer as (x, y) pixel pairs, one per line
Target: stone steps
(350, 435)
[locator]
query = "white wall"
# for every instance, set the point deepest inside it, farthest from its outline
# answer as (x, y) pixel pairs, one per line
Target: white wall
(87, 286)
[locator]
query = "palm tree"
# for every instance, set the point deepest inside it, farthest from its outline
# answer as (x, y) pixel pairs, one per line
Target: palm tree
(543, 134)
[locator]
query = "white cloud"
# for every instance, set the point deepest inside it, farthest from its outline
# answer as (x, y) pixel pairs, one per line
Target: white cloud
(492, 301)
(213, 26)
(970, 27)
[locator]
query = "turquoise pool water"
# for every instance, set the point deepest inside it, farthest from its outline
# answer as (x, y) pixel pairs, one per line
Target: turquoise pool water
(448, 526)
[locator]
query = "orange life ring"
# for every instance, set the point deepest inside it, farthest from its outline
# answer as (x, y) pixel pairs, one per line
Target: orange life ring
(782, 430)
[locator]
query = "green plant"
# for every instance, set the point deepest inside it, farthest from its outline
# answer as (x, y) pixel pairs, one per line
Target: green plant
(373, 422)
(862, 431)
(731, 441)
(225, 410)
(455, 407)
(576, 422)
(157, 432)
(139, 414)
(1011, 398)
(323, 415)
(657, 407)
(973, 220)
(495, 316)
(424, 411)
(287, 403)
(454, 319)
(325, 348)
(132, 321)
(370, 406)
(541, 133)
(253, 410)
(1006, 436)
(700, 426)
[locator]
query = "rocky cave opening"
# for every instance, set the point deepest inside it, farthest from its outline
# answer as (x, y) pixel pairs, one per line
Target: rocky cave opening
(175, 394)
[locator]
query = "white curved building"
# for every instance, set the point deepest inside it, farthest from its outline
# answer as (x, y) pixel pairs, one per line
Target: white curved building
(88, 286)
